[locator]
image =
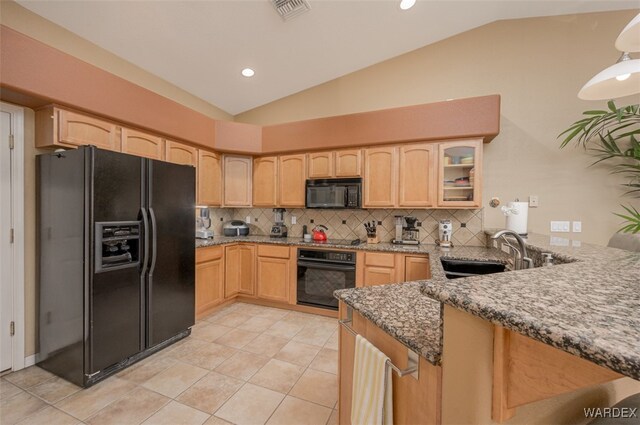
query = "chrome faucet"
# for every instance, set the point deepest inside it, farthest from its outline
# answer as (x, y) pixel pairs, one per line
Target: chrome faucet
(521, 260)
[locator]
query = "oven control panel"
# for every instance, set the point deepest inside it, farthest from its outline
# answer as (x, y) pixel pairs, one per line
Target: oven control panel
(327, 256)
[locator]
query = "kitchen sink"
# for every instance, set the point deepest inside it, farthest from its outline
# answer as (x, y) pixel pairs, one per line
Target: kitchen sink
(455, 269)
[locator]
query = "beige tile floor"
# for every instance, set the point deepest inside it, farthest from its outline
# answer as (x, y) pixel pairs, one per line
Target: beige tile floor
(244, 364)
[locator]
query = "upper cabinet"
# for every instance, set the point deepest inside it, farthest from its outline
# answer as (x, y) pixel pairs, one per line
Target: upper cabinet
(417, 176)
(265, 181)
(348, 163)
(138, 143)
(291, 180)
(460, 174)
(209, 178)
(321, 165)
(182, 154)
(380, 177)
(237, 181)
(59, 127)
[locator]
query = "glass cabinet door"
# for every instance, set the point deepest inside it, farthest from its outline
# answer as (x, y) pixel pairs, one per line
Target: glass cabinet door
(460, 174)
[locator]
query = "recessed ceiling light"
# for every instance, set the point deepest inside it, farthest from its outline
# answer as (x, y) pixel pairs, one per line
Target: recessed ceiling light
(407, 4)
(248, 72)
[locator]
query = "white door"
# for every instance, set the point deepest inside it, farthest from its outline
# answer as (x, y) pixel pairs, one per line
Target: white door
(6, 249)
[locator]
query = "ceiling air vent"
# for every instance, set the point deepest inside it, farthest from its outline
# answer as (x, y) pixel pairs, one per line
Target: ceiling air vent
(289, 9)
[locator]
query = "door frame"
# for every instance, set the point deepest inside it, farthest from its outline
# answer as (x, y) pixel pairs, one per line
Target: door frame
(17, 194)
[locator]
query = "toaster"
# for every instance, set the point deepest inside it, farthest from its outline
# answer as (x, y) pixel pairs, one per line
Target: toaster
(235, 228)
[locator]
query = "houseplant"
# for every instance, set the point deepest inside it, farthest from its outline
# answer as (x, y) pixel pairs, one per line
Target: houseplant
(612, 136)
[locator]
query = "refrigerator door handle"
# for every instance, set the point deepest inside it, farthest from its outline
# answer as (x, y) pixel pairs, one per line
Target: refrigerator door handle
(145, 229)
(154, 241)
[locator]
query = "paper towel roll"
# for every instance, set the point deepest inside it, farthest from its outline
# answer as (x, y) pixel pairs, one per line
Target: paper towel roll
(517, 214)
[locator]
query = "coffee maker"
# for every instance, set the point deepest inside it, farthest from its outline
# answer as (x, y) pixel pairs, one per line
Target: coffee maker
(445, 233)
(203, 224)
(407, 233)
(279, 229)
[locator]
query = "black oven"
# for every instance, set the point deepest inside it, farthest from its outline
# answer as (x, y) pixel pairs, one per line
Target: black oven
(334, 193)
(321, 272)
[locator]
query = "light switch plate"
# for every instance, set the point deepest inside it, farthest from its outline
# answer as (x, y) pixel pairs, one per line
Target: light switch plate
(577, 226)
(294, 219)
(533, 201)
(560, 226)
(247, 219)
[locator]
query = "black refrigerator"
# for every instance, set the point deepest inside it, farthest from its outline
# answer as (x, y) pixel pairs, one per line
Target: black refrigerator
(116, 276)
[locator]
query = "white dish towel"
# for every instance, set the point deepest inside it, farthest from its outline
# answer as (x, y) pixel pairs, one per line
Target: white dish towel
(372, 400)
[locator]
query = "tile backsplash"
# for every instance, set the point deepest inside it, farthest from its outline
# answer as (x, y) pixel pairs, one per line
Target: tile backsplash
(348, 224)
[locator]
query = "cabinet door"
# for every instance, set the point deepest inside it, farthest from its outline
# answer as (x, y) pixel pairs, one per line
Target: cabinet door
(273, 278)
(320, 165)
(209, 178)
(460, 174)
(79, 130)
(291, 180)
(417, 182)
(380, 183)
(265, 181)
(247, 257)
(379, 268)
(232, 270)
(179, 153)
(348, 163)
(416, 268)
(209, 285)
(138, 143)
(237, 181)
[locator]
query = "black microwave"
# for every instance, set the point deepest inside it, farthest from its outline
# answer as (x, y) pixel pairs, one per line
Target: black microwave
(334, 193)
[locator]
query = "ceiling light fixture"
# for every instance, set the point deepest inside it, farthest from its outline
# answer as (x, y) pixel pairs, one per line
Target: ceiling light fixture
(407, 4)
(623, 77)
(248, 72)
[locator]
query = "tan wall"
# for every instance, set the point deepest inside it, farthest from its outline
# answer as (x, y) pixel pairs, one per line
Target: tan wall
(28, 23)
(537, 66)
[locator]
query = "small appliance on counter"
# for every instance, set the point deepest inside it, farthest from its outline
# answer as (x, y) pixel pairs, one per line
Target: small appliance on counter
(445, 233)
(203, 223)
(516, 216)
(406, 231)
(279, 229)
(235, 228)
(319, 234)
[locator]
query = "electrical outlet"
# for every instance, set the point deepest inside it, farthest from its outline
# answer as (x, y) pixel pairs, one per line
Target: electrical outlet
(577, 226)
(559, 226)
(247, 219)
(294, 219)
(533, 201)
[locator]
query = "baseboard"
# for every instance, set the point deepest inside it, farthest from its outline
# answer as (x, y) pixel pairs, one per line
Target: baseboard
(30, 360)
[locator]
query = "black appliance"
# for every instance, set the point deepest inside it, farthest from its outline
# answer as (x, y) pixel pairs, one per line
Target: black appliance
(235, 228)
(334, 193)
(116, 260)
(321, 272)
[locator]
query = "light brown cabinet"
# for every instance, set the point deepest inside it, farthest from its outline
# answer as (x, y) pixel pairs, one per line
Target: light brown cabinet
(292, 170)
(209, 279)
(59, 127)
(179, 153)
(417, 176)
(460, 174)
(348, 163)
(239, 270)
(380, 268)
(274, 273)
(416, 268)
(380, 177)
(209, 178)
(138, 143)
(415, 400)
(265, 181)
(237, 181)
(321, 165)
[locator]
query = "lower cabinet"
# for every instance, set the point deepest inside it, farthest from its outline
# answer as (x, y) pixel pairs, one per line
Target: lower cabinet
(209, 278)
(416, 267)
(379, 269)
(239, 270)
(415, 401)
(274, 273)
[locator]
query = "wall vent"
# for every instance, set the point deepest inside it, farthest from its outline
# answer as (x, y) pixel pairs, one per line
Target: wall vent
(289, 9)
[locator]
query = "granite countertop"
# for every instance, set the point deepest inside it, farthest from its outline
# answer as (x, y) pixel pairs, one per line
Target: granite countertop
(589, 307)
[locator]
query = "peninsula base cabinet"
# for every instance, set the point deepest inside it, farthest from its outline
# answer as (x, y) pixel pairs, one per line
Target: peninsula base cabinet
(415, 400)
(209, 279)
(381, 268)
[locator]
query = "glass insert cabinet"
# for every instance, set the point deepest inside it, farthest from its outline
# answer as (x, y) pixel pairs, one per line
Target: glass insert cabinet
(460, 171)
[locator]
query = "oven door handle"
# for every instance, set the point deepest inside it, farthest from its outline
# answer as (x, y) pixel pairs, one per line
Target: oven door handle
(325, 266)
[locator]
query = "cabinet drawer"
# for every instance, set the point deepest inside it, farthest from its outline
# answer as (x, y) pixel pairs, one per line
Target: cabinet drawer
(208, 253)
(273, 251)
(380, 259)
